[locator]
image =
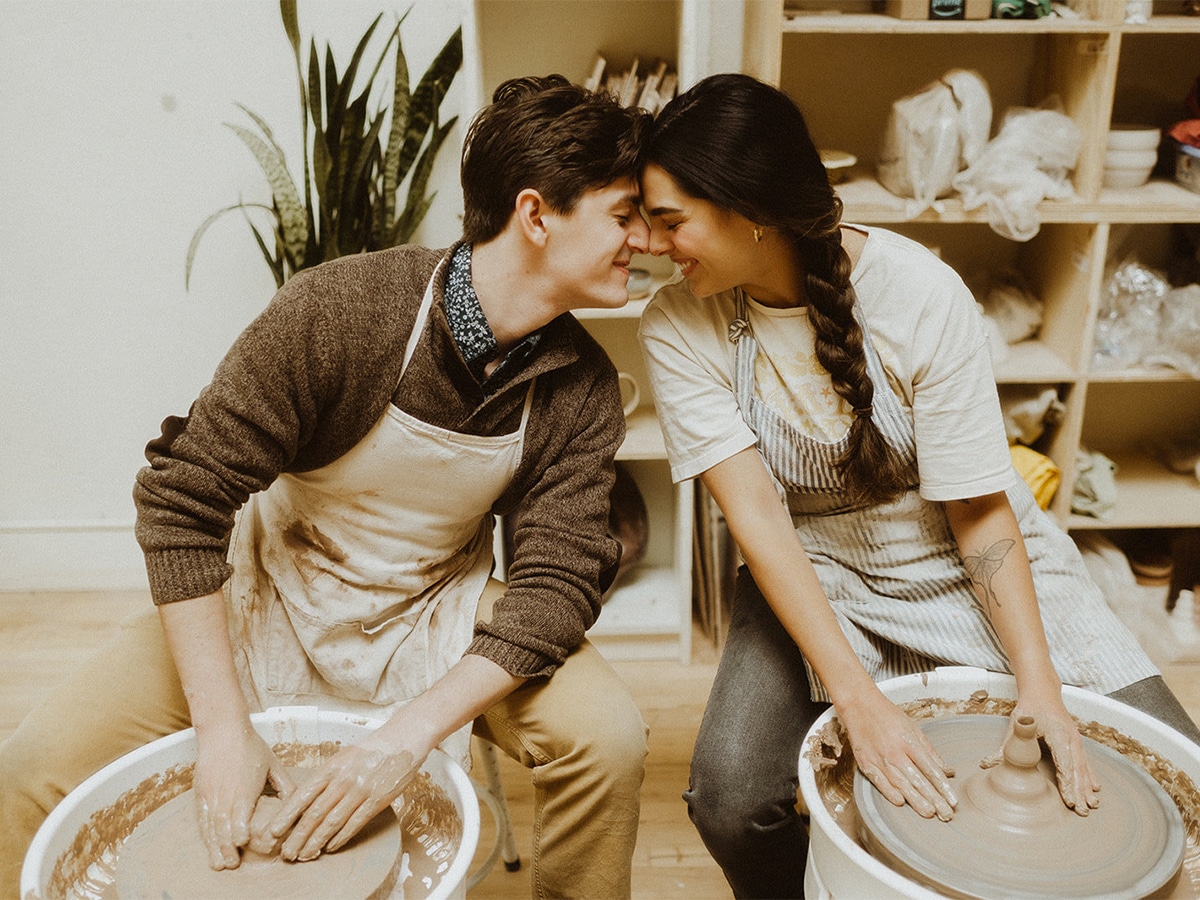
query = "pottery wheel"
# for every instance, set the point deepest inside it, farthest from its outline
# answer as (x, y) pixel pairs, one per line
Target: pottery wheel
(1131, 846)
(165, 857)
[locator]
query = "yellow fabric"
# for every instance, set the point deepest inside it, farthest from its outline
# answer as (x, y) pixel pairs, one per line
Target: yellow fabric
(1038, 471)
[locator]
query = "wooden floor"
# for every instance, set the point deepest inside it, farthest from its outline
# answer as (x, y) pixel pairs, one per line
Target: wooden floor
(43, 635)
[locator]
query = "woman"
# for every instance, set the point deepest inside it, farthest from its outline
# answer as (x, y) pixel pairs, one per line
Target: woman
(845, 371)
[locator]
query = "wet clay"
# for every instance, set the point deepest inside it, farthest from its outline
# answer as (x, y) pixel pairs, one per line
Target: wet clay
(829, 753)
(1011, 834)
(165, 857)
(430, 826)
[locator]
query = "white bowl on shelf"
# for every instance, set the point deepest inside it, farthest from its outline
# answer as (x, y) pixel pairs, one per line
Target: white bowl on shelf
(1128, 168)
(1124, 136)
(1130, 159)
(1125, 178)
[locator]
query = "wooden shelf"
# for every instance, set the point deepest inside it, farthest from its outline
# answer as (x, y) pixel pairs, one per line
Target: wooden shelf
(643, 603)
(643, 436)
(1031, 362)
(868, 201)
(1139, 375)
(1101, 70)
(878, 23)
(1149, 495)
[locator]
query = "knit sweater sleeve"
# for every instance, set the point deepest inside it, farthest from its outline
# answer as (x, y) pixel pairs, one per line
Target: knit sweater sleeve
(273, 404)
(563, 554)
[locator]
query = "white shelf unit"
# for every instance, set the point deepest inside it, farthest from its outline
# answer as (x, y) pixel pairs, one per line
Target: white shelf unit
(845, 67)
(648, 615)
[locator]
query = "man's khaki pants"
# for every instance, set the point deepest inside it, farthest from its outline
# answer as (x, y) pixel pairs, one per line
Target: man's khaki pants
(579, 732)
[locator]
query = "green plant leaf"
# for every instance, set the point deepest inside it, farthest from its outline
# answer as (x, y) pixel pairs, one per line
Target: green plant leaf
(417, 204)
(194, 244)
(428, 97)
(341, 102)
(360, 174)
(292, 217)
(291, 27)
(320, 159)
(401, 98)
(350, 191)
(275, 263)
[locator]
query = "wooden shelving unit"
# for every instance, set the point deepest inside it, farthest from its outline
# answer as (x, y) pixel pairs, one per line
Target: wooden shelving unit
(845, 67)
(648, 615)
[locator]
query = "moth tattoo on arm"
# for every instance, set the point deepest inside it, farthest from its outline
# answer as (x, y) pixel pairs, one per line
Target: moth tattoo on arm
(982, 568)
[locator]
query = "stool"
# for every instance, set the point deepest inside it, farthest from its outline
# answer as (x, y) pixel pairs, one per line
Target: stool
(492, 795)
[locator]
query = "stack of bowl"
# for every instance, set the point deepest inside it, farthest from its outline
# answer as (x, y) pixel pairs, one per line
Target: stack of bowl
(1131, 155)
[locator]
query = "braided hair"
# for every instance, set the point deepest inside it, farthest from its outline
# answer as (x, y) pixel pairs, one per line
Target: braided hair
(743, 145)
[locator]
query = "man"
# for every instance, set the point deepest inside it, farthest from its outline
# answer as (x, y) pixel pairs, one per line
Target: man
(365, 430)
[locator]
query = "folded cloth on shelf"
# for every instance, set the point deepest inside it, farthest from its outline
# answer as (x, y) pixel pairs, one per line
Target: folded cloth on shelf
(1095, 491)
(1038, 471)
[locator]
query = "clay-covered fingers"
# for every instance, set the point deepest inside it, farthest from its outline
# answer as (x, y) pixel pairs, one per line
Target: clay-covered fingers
(216, 830)
(232, 767)
(1077, 782)
(309, 801)
(906, 768)
(925, 778)
(343, 795)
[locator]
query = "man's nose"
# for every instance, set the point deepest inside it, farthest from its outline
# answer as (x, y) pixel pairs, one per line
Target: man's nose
(639, 235)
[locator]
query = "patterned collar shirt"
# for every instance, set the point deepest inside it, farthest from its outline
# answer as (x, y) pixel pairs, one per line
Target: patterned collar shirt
(472, 333)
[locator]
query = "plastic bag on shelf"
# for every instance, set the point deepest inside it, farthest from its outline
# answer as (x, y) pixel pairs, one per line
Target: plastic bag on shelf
(1178, 346)
(931, 134)
(1127, 327)
(1027, 162)
(1012, 305)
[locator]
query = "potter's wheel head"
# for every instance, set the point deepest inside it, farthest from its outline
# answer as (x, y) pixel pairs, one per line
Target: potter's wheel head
(1033, 847)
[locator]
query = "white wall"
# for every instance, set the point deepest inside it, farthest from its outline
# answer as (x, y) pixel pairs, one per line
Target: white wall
(112, 152)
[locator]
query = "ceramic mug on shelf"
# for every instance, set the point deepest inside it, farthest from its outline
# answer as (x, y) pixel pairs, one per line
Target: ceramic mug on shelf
(631, 394)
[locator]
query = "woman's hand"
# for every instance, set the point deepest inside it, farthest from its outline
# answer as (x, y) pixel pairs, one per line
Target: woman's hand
(342, 796)
(232, 768)
(1077, 783)
(894, 754)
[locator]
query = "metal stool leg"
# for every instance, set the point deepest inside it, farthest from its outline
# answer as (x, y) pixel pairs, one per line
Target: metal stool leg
(492, 795)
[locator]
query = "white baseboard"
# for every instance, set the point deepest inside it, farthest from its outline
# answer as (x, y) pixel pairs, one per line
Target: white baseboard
(70, 556)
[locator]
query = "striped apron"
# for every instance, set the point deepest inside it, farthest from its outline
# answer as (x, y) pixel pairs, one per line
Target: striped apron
(893, 572)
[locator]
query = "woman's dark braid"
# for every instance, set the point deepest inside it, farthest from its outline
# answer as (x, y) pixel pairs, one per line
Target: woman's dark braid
(871, 469)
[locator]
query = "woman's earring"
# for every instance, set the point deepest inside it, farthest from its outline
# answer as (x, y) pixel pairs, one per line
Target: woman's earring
(758, 233)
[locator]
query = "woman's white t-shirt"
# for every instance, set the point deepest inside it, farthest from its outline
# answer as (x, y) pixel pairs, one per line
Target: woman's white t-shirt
(922, 321)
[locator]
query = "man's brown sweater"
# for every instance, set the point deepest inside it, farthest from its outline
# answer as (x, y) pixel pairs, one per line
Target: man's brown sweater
(312, 374)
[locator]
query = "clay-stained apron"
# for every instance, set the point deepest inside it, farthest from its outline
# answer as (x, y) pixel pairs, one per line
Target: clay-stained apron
(355, 585)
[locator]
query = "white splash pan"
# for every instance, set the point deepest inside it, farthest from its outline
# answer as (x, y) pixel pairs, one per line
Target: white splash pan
(839, 867)
(299, 724)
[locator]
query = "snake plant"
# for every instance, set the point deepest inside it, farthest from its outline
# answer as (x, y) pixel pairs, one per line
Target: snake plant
(346, 200)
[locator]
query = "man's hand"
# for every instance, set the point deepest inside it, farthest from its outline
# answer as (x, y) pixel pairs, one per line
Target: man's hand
(232, 768)
(342, 796)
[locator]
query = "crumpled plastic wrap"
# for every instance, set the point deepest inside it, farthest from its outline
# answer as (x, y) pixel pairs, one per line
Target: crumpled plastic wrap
(1028, 161)
(1144, 321)
(1009, 301)
(931, 134)
(1179, 331)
